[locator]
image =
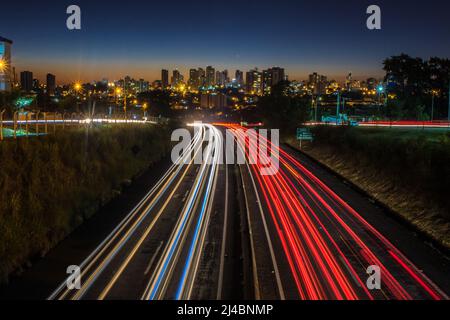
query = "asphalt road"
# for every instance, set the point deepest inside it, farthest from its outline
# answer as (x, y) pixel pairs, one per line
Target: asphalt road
(156, 251)
(214, 231)
(314, 238)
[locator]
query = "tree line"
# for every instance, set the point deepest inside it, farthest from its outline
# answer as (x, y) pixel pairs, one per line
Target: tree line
(415, 84)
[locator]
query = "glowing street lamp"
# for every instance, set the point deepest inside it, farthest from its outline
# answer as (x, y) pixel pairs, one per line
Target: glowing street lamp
(434, 93)
(3, 65)
(381, 91)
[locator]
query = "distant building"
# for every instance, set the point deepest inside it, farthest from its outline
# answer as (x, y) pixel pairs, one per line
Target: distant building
(318, 83)
(278, 75)
(5, 64)
(177, 78)
(194, 79)
(213, 100)
(348, 82)
(51, 84)
(254, 82)
(202, 77)
(272, 77)
(142, 86)
(165, 78)
(267, 81)
(222, 78)
(219, 79)
(26, 81)
(239, 77)
(371, 83)
(36, 85)
(157, 84)
(210, 76)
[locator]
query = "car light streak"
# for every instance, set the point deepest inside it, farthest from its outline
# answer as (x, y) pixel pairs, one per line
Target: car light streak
(327, 244)
(204, 183)
(116, 240)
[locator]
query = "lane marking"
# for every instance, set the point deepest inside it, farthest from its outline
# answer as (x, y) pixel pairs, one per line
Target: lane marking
(224, 238)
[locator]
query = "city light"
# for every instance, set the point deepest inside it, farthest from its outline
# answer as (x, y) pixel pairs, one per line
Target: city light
(77, 86)
(2, 65)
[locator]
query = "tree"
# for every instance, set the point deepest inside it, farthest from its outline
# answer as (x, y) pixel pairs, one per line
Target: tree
(281, 110)
(408, 75)
(416, 83)
(158, 102)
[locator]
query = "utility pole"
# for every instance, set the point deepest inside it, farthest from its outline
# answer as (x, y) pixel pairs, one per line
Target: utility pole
(432, 108)
(449, 99)
(1, 124)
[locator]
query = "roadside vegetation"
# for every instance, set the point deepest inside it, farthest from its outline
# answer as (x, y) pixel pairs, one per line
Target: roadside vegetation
(50, 185)
(409, 171)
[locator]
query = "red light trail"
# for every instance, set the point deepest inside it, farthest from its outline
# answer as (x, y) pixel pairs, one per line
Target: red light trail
(327, 244)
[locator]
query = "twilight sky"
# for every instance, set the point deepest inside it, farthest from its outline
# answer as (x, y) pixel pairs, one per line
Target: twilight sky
(139, 37)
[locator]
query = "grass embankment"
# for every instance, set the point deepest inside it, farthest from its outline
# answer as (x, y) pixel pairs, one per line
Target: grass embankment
(49, 185)
(407, 170)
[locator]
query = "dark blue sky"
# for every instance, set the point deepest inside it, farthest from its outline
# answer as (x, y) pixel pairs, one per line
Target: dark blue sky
(139, 37)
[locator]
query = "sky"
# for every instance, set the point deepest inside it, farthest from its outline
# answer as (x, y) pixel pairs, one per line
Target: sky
(140, 37)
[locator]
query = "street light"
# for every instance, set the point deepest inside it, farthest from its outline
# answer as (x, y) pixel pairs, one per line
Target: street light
(77, 86)
(434, 93)
(382, 91)
(1, 124)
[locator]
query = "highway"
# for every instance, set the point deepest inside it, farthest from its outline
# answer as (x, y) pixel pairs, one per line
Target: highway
(309, 244)
(211, 230)
(155, 252)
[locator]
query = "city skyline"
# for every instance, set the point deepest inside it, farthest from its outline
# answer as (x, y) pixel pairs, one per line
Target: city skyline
(148, 37)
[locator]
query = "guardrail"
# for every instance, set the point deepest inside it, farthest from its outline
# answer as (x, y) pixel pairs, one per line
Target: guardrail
(14, 128)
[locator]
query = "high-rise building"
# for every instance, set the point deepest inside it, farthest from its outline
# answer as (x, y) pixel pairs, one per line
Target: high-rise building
(51, 84)
(219, 79)
(177, 78)
(213, 100)
(239, 77)
(267, 81)
(222, 78)
(36, 85)
(210, 76)
(278, 75)
(348, 81)
(254, 82)
(318, 83)
(165, 78)
(194, 79)
(226, 78)
(201, 77)
(26, 81)
(272, 77)
(5, 64)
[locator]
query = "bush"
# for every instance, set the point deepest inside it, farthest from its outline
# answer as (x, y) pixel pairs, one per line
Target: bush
(48, 186)
(414, 160)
